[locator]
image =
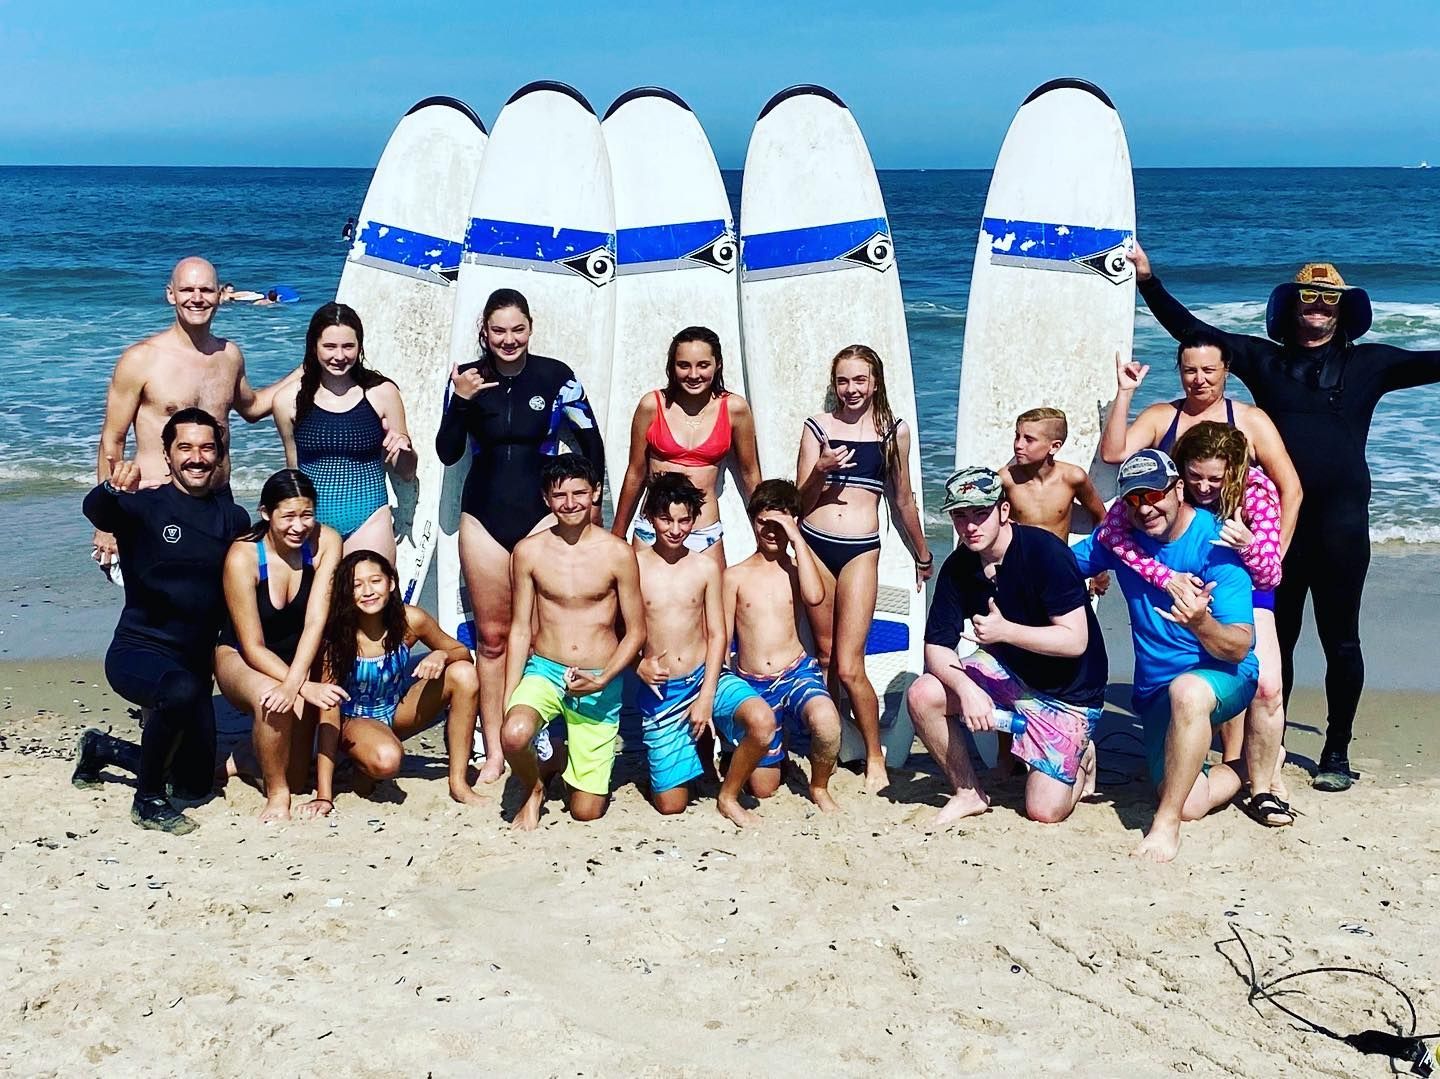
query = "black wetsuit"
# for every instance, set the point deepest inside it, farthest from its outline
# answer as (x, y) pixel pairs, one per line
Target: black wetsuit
(1322, 400)
(173, 547)
(511, 429)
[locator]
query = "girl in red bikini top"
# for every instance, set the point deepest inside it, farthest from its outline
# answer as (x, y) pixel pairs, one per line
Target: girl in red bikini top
(695, 372)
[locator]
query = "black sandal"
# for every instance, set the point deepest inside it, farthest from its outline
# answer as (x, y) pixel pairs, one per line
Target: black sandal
(1269, 810)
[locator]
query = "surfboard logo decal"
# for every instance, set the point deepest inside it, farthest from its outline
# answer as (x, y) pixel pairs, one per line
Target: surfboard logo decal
(407, 252)
(818, 249)
(1043, 245)
(524, 246)
(685, 245)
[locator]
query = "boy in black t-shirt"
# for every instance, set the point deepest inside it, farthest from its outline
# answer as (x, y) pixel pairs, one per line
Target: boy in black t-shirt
(1040, 664)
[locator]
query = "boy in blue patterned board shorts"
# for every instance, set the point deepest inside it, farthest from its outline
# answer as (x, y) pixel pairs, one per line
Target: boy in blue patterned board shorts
(572, 582)
(762, 598)
(680, 684)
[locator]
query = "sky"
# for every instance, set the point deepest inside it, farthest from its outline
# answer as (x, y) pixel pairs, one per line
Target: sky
(933, 85)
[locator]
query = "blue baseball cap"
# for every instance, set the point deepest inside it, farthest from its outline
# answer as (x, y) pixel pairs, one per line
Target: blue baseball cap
(1146, 470)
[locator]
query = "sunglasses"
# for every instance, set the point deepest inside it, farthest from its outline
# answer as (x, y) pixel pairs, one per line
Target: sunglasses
(1136, 499)
(1310, 295)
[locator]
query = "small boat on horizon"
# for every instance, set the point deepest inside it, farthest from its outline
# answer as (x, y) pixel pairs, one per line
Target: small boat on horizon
(1423, 165)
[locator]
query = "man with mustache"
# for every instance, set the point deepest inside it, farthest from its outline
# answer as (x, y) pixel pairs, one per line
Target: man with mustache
(182, 366)
(172, 540)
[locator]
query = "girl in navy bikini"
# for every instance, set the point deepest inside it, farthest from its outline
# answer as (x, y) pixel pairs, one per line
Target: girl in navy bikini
(850, 458)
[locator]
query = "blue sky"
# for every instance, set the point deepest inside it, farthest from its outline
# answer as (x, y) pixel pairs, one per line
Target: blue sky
(933, 84)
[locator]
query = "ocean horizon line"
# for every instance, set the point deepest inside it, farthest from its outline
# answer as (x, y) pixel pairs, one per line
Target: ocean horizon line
(732, 168)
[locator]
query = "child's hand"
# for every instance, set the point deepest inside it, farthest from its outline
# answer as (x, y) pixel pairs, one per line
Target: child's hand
(702, 714)
(1100, 583)
(581, 683)
(323, 694)
(432, 666)
(833, 460)
(654, 672)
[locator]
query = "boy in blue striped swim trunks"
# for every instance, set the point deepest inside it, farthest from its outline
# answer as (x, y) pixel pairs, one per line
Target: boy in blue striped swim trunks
(763, 598)
(680, 692)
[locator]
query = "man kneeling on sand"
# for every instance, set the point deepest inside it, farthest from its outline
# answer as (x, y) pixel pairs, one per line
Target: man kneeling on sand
(1040, 668)
(570, 582)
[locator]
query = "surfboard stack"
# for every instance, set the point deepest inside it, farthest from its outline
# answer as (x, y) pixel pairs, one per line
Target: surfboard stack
(620, 233)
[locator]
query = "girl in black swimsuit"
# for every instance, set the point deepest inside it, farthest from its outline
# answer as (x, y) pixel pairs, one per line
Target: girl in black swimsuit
(277, 592)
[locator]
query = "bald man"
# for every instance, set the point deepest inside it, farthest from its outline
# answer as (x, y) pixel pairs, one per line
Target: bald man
(182, 366)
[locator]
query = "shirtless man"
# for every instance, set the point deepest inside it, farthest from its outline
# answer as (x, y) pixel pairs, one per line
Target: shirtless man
(569, 583)
(763, 599)
(182, 366)
(679, 691)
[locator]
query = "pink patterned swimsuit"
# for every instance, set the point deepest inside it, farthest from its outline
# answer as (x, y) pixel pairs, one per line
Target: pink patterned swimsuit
(1260, 509)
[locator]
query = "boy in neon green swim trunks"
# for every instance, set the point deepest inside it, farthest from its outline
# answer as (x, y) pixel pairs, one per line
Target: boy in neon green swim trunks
(570, 583)
(763, 597)
(679, 691)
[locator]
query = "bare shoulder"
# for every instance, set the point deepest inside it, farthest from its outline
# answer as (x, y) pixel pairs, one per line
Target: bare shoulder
(329, 544)
(1005, 476)
(137, 359)
(646, 407)
(526, 550)
(241, 556)
(1071, 474)
(737, 406)
(614, 548)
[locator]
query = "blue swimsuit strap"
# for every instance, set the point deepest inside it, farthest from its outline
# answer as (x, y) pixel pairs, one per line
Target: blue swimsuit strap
(305, 559)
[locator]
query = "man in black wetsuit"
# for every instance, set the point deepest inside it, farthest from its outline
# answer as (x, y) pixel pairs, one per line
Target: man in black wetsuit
(1320, 388)
(172, 542)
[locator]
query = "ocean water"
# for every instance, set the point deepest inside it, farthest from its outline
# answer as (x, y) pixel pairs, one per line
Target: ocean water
(89, 250)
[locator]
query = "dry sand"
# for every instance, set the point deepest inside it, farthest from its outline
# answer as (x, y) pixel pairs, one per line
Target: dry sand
(408, 936)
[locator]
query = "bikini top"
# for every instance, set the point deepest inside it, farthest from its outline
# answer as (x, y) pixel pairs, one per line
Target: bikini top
(711, 452)
(867, 470)
(1168, 439)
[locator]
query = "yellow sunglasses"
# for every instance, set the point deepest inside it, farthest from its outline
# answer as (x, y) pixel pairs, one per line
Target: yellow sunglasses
(1310, 295)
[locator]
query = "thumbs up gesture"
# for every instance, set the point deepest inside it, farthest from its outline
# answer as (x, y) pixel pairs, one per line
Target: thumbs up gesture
(1234, 534)
(990, 627)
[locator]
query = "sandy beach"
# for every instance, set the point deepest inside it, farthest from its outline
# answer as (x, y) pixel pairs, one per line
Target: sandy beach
(408, 936)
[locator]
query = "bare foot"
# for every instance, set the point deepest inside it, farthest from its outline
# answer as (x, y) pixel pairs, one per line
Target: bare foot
(1160, 844)
(527, 817)
(276, 808)
(1088, 771)
(876, 778)
(823, 802)
(731, 809)
(969, 803)
(1277, 781)
(467, 795)
(493, 770)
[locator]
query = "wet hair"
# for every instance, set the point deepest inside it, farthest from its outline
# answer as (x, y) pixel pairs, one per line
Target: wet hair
(567, 466)
(687, 336)
(500, 299)
(1203, 337)
(1209, 441)
(226, 285)
(1059, 426)
(284, 485)
(666, 489)
(197, 416)
(779, 495)
(272, 295)
(328, 315)
(343, 621)
(880, 412)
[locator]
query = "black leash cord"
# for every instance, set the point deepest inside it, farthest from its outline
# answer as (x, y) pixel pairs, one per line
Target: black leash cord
(1410, 1048)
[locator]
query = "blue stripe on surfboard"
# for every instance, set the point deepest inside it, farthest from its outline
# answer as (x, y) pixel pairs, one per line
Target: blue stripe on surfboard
(697, 241)
(886, 636)
(842, 242)
(1051, 245)
(533, 243)
(408, 248)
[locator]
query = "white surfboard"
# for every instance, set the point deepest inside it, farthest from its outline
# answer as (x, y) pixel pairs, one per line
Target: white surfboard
(1052, 298)
(818, 273)
(677, 255)
(542, 220)
(400, 278)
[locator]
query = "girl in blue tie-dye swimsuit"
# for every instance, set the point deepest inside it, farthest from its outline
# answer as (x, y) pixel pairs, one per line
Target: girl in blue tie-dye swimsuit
(368, 640)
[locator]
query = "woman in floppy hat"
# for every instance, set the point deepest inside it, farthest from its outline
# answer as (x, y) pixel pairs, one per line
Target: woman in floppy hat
(1320, 388)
